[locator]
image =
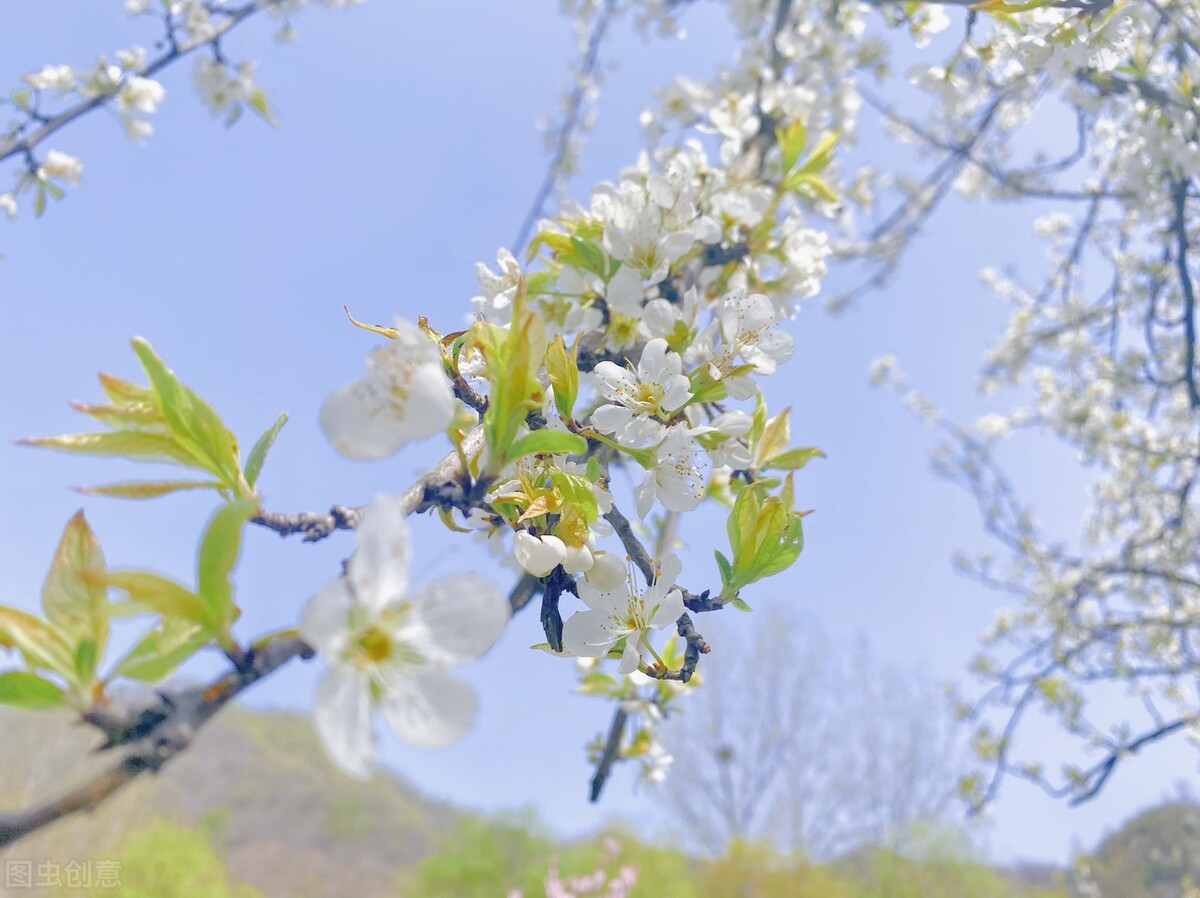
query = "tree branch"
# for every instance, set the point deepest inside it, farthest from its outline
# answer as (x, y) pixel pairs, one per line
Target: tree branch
(234, 17)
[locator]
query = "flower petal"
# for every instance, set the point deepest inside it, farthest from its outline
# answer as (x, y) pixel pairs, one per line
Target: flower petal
(462, 617)
(669, 611)
(538, 555)
(427, 706)
(325, 622)
(631, 656)
(378, 570)
(343, 719)
(588, 634)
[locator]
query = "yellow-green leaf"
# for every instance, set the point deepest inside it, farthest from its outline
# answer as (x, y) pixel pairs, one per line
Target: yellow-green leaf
(161, 595)
(147, 489)
(258, 453)
(140, 446)
(73, 594)
(219, 551)
(161, 650)
(24, 689)
(39, 643)
(192, 420)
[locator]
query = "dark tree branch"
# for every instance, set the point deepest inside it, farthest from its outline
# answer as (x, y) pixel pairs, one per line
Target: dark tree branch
(610, 753)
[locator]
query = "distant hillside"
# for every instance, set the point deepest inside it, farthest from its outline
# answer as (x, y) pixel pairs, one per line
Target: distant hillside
(1152, 855)
(286, 821)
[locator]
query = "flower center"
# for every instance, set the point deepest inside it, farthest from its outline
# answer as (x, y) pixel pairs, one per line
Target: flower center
(375, 645)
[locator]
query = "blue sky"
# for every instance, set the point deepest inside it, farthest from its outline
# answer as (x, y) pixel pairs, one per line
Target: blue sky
(407, 152)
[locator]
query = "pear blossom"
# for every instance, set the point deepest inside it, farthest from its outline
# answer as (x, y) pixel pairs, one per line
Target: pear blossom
(724, 435)
(497, 290)
(675, 478)
(623, 612)
(625, 292)
(662, 318)
(747, 332)
(538, 555)
(52, 77)
(8, 204)
(607, 572)
(639, 400)
(60, 166)
(388, 647)
(404, 396)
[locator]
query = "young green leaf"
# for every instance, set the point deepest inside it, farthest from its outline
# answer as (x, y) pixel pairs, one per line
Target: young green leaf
(192, 420)
(547, 442)
(140, 446)
(147, 489)
(258, 453)
(73, 594)
(563, 370)
(161, 595)
(40, 644)
(24, 689)
(219, 550)
(161, 650)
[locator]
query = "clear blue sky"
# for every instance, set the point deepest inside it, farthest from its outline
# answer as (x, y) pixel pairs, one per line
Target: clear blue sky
(407, 152)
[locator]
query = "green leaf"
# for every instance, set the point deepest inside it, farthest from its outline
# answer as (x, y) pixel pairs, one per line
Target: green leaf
(548, 442)
(815, 187)
(161, 595)
(822, 154)
(39, 643)
(258, 453)
(588, 256)
(23, 689)
(74, 599)
(87, 656)
(219, 550)
(134, 445)
(261, 104)
(124, 392)
(513, 359)
(192, 420)
(791, 143)
(563, 370)
(162, 650)
(724, 567)
(597, 683)
(579, 491)
(126, 415)
(147, 489)
(794, 459)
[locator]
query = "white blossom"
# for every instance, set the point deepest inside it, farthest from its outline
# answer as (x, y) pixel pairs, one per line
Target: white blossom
(404, 396)
(676, 477)
(60, 166)
(623, 612)
(641, 400)
(388, 647)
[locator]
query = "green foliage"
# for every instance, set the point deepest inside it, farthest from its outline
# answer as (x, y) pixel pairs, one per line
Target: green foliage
(165, 422)
(170, 861)
(765, 534)
(563, 370)
(484, 859)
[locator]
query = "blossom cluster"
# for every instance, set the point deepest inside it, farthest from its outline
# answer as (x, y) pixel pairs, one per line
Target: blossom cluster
(1099, 354)
(56, 94)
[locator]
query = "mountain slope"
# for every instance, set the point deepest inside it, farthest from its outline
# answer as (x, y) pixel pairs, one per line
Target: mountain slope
(285, 820)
